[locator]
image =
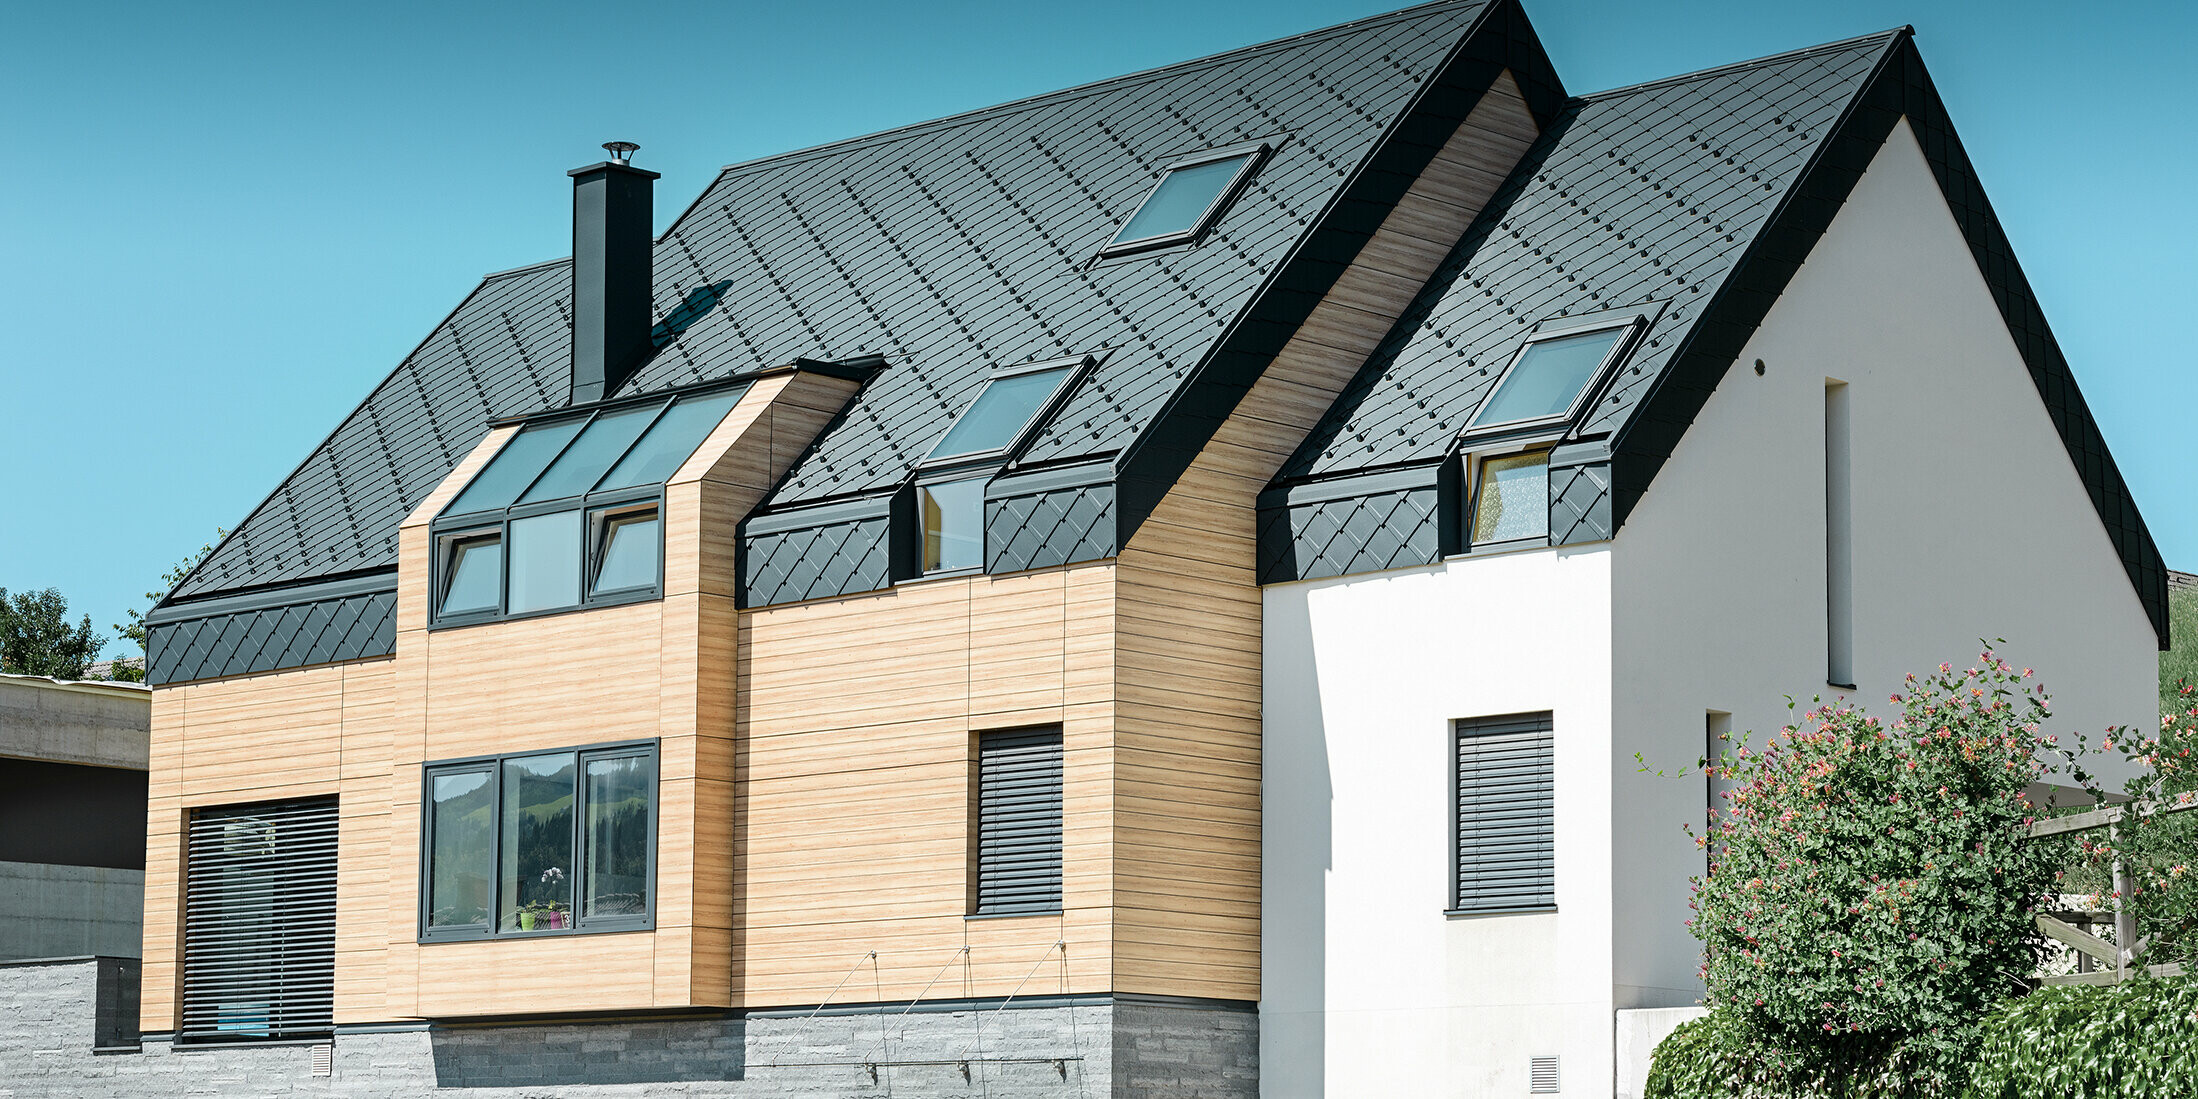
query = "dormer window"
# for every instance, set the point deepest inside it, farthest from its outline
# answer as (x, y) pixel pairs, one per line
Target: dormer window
(1551, 377)
(1190, 197)
(569, 513)
(950, 482)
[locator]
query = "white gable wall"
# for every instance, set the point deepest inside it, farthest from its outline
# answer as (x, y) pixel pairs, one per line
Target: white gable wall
(1367, 988)
(1969, 522)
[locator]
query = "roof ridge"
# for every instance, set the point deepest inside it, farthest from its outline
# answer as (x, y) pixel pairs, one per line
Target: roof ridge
(1096, 86)
(1884, 36)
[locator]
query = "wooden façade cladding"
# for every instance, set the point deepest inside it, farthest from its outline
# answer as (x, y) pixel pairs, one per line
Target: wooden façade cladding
(361, 731)
(1187, 651)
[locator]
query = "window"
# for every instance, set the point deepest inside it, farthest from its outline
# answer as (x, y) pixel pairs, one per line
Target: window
(952, 514)
(1546, 383)
(540, 843)
(569, 512)
(1839, 549)
(1188, 199)
(1004, 411)
(1506, 813)
(259, 923)
(1018, 826)
(1511, 502)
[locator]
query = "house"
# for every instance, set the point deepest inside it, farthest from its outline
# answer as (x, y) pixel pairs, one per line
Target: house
(1149, 590)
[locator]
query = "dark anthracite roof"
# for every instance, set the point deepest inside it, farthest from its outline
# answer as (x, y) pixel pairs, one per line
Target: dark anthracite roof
(949, 247)
(1641, 195)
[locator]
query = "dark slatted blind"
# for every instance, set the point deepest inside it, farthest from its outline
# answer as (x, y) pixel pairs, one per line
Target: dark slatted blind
(259, 924)
(1019, 822)
(1506, 810)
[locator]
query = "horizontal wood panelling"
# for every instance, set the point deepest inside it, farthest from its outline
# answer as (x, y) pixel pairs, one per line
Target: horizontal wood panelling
(856, 719)
(1186, 868)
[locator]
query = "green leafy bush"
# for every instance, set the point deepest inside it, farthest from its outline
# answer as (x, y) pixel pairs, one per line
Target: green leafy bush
(2131, 1041)
(1868, 887)
(1721, 1056)
(2158, 851)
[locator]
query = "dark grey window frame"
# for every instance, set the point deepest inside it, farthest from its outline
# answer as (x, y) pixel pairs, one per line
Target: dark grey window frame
(1256, 154)
(1629, 323)
(955, 475)
(448, 529)
(493, 766)
(976, 909)
(1458, 730)
(1076, 365)
(1472, 474)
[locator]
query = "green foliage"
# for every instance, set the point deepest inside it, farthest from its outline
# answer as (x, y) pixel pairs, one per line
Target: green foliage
(36, 638)
(134, 629)
(2137, 1040)
(2157, 851)
(1721, 1056)
(2180, 663)
(1869, 886)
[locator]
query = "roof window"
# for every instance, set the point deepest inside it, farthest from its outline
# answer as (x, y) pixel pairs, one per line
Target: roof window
(1011, 403)
(1552, 376)
(1188, 200)
(568, 513)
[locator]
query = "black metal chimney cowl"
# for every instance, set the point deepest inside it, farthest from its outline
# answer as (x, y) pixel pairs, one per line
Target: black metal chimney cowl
(612, 278)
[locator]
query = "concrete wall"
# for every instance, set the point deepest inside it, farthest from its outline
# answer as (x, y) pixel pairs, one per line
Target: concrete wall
(50, 911)
(1368, 988)
(103, 724)
(1127, 1049)
(1969, 522)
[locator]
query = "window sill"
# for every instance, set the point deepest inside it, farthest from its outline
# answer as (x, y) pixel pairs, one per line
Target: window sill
(1048, 913)
(613, 599)
(1478, 913)
(526, 936)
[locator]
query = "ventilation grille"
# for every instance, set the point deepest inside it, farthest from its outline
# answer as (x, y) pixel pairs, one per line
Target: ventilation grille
(1018, 822)
(1542, 1071)
(259, 925)
(1506, 810)
(324, 1060)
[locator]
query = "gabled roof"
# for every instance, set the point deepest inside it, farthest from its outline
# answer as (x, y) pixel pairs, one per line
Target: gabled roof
(949, 248)
(1700, 195)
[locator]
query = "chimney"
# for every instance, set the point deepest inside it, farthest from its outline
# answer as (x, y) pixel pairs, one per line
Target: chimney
(612, 254)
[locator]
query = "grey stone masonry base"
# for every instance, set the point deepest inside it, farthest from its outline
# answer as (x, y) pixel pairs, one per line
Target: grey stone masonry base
(1083, 1047)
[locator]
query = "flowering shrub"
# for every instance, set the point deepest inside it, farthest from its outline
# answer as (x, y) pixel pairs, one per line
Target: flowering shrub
(1868, 886)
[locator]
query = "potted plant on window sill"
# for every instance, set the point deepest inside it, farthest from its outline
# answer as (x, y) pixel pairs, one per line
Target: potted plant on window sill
(546, 915)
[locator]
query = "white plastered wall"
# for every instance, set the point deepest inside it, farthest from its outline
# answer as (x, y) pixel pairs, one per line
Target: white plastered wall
(1367, 988)
(1970, 522)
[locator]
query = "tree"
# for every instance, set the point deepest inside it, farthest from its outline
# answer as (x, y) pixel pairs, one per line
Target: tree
(134, 629)
(36, 638)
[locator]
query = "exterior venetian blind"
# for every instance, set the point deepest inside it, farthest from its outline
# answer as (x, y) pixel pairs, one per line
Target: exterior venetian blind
(1018, 822)
(259, 924)
(1506, 811)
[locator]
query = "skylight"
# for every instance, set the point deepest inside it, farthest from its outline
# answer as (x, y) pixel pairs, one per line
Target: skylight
(1546, 383)
(1188, 199)
(621, 448)
(1007, 408)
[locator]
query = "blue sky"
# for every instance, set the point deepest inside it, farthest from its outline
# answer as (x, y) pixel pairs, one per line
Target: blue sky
(225, 224)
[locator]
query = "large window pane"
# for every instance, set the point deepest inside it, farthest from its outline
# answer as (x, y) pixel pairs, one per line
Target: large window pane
(545, 562)
(584, 462)
(1181, 200)
(461, 849)
(476, 571)
(1547, 378)
(671, 442)
(536, 837)
(629, 552)
(514, 467)
(999, 414)
(953, 515)
(617, 837)
(1514, 498)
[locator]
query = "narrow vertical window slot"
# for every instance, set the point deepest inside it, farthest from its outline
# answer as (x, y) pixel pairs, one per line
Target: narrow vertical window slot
(1839, 616)
(1716, 728)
